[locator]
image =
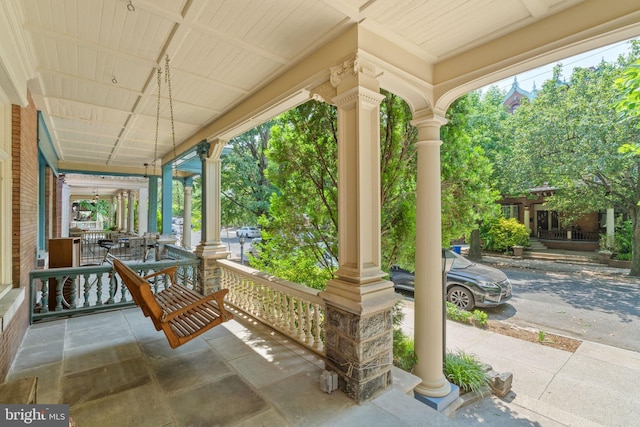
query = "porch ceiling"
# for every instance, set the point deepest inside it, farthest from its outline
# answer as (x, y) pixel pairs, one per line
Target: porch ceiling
(95, 61)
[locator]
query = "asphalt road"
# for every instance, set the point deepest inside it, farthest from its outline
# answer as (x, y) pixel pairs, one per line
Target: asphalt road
(603, 309)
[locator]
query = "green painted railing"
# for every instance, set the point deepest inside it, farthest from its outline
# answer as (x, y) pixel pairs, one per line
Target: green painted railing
(62, 292)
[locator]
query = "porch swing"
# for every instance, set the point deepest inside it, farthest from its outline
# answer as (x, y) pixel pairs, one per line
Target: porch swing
(181, 313)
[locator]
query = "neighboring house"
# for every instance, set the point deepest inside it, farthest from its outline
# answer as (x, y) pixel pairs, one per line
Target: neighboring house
(544, 224)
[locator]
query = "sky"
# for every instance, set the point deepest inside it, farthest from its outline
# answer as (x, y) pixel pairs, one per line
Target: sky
(540, 75)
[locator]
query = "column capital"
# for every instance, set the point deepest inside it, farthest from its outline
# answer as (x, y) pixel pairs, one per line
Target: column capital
(351, 68)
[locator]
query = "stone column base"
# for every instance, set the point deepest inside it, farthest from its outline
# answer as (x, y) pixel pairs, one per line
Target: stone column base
(359, 348)
(209, 272)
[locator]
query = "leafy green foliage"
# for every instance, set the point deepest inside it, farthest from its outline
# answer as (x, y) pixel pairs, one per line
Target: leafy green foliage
(573, 138)
(245, 188)
(466, 371)
(468, 197)
(477, 317)
(501, 234)
(404, 356)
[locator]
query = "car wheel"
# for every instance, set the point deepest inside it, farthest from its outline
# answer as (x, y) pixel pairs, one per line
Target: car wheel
(461, 298)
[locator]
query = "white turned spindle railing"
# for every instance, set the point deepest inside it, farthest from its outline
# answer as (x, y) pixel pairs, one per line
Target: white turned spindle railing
(295, 310)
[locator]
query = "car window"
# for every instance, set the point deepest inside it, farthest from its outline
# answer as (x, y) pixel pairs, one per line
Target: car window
(459, 262)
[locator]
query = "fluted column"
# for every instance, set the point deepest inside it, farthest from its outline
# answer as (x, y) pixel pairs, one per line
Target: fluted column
(428, 294)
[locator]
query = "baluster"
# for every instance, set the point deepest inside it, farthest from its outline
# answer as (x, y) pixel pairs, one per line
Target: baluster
(74, 292)
(317, 343)
(308, 337)
(59, 285)
(282, 311)
(98, 292)
(292, 313)
(44, 296)
(123, 287)
(300, 327)
(86, 286)
(112, 289)
(243, 294)
(233, 288)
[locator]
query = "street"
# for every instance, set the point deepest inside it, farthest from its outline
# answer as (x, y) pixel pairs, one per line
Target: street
(601, 309)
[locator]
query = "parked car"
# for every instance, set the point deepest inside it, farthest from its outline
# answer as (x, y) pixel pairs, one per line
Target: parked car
(249, 232)
(469, 284)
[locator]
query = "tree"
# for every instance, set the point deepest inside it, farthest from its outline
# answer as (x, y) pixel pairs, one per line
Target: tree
(299, 234)
(244, 186)
(468, 196)
(569, 137)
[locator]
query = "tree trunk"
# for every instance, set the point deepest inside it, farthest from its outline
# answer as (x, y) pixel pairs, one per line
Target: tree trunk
(475, 252)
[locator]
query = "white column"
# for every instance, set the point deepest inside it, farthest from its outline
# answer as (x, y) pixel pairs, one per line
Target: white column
(359, 344)
(527, 218)
(66, 210)
(186, 222)
(428, 295)
(143, 208)
(359, 286)
(210, 242)
(123, 217)
(611, 227)
(119, 209)
(130, 212)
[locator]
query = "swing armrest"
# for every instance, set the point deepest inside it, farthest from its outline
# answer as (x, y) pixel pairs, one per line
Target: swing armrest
(170, 271)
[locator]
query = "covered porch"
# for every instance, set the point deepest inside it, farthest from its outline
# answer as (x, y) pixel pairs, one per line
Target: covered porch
(338, 52)
(114, 368)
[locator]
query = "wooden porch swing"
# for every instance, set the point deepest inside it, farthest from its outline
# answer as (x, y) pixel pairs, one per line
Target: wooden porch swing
(182, 314)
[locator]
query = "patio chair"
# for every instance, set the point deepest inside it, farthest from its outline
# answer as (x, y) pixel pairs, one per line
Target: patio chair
(182, 314)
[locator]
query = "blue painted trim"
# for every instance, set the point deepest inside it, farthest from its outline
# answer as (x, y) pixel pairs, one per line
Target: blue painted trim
(45, 145)
(152, 213)
(42, 200)
(167, 197)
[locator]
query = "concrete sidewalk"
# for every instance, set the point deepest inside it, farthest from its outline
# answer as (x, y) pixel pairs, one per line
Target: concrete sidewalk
(596, 385)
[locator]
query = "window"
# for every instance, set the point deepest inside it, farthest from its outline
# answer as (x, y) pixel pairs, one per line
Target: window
(510, 211)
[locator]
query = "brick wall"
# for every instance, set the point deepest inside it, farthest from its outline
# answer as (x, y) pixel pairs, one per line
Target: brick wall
(24, 163)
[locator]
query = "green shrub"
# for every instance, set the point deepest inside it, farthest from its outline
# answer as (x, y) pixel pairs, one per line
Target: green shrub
(477, 317)
(466, 371)
(404, 355)
(623, 239)
(502, 234)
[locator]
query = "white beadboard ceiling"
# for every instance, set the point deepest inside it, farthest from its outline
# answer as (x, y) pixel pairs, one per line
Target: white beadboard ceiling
(97, 61)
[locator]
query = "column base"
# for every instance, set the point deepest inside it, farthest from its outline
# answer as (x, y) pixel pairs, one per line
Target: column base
(209, 273)
(359, 348)
(439, 403)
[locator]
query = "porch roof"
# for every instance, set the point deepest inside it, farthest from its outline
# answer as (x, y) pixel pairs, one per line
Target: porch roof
(91, 65)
